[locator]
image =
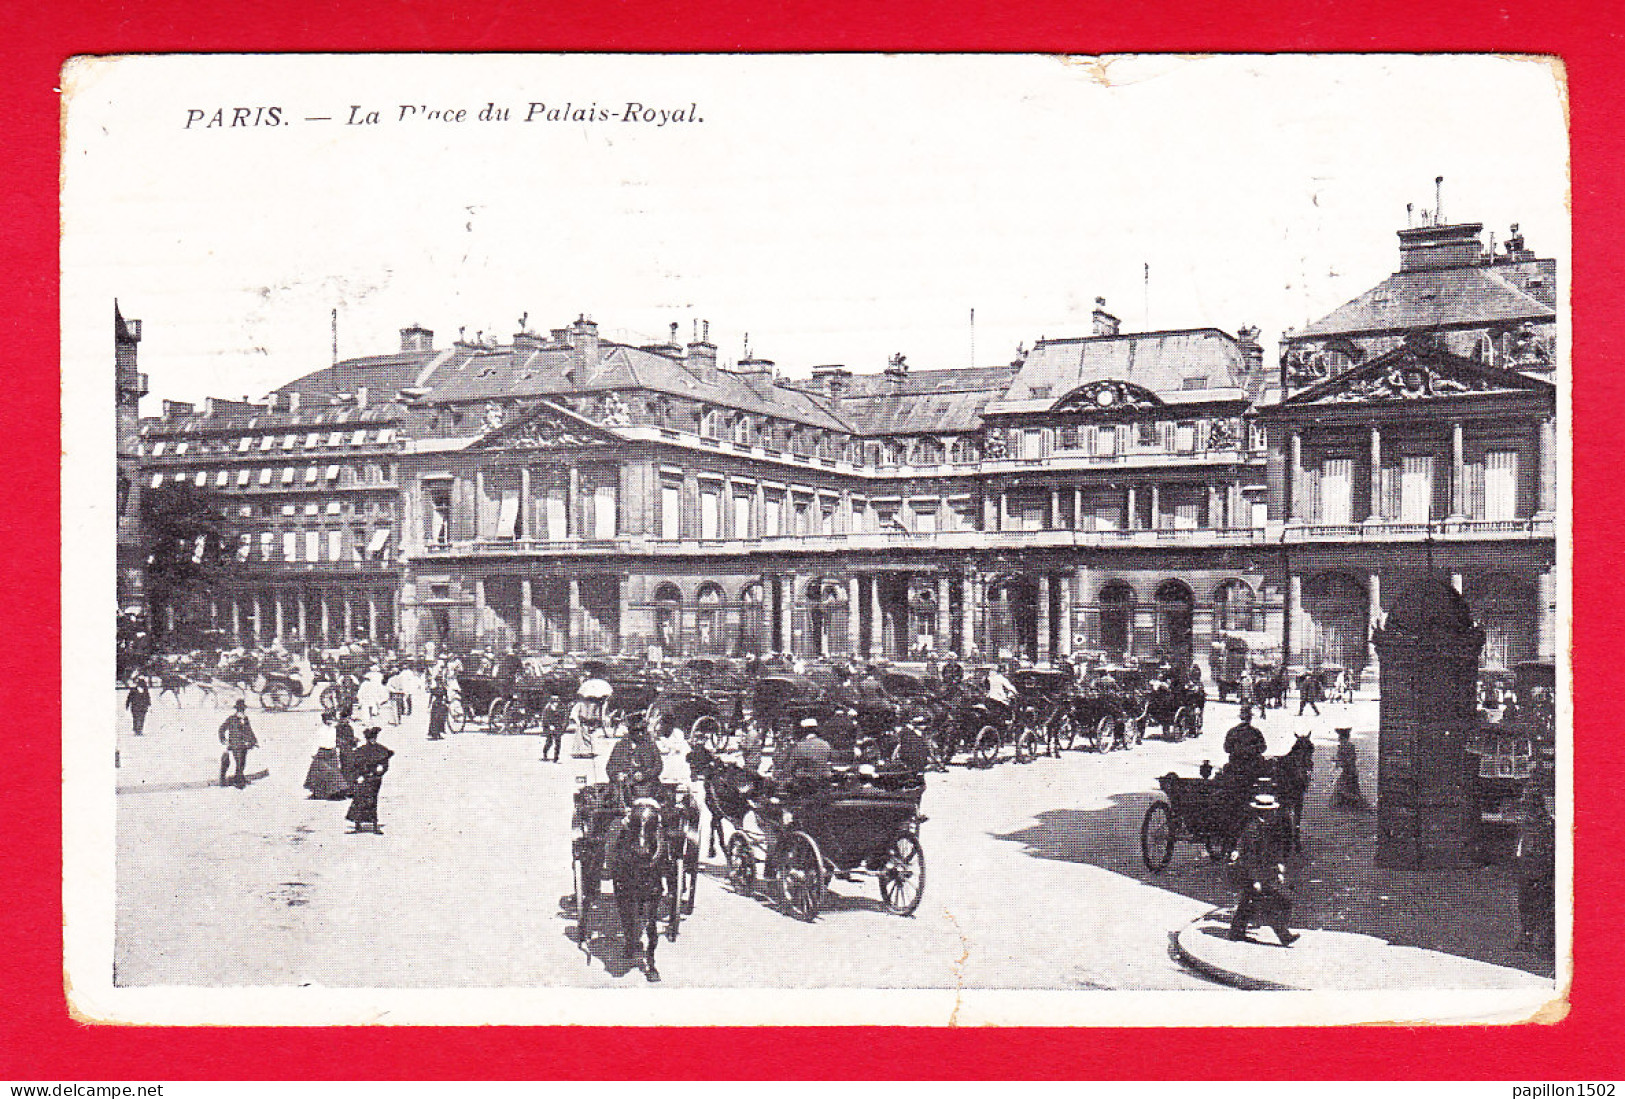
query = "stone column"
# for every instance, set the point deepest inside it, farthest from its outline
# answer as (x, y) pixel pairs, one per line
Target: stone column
(276, 593)
(1458, 473)
(372, 618)
(1546, 468)
(1131, 521)
(236, 622)
(944, 615)
(572, 506)
(479, 503)
(1043, 618)
(349, 624)
(1290, 619)
(525, 631)
(623, 612)
(1375, 510)
(1004, 510)
(1546, 615)
(524, 502)
(1080, 598)
(1064, 632)
(1232, 505)
(967, 612)
(479, 611)
(1077, 507)
(758, 514)
(1294, 484)
(877, 628)
(1215, 515)
(327, 620)
(1054, 508)
(787, 607)
(854, 617)
(258, 618)
(299, 612)
(1156, 506)
(575, 625)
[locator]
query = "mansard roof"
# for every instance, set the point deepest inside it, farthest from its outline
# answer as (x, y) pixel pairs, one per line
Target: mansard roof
(545, 425)
(1443, 297)
(1163, 363)
(922, 401)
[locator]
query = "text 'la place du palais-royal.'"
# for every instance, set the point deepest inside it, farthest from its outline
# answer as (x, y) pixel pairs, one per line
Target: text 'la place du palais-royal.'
(214, 117)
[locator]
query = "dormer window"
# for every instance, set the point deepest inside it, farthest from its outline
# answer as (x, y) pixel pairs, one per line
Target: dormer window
(741, 431)
(708, 423)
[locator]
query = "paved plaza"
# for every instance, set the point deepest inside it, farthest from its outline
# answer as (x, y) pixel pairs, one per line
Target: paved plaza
(1034, 877)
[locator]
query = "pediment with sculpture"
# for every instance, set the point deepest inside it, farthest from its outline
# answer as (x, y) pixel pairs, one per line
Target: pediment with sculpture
(544, 426)
(1410, 373)
(1107, 395)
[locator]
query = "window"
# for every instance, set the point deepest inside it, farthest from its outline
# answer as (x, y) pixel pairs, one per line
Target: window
(158, 449)
(267, 544)
(1416, 488)
(1186, 514)
(359, 437)
(311, 508)
(311, 473)
(1148, 436)
(334, 507)
(288, 509)
(335, 545)
(558, 516)
(290, 545)
(710, 505)
(439, 518)
(708, 423)
(336, 439)
(508, 514)
(826, 517)
(332, 473)
(965, 449)
(1185, 438)
(265, 475)
(1500, 485)
(181, 448)
(603, 511)
(202, 478)
(925, 520)
(386, 435)
(244, 443)
(288, 441)
(157, 479)
(313, 439)
(1193, 382)
(1336, 491)
(1105, 442)
(1032, 443)
(741, 431)
(267, 442)
(245, 546)
(1108, 515)
(770, 521)
(671, 510)
(1067, 438)
(742, 517)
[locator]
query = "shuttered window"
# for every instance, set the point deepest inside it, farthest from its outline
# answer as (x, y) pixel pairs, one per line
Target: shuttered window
(1336, 491)
(603, 511)
(1416, 488)
(710, 514)
(671, 510)
(508, 514)
(1501, 485)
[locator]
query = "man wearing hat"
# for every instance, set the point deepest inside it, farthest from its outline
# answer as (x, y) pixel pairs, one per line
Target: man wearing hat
(238, 737)
(635, 754)
(809, 760)
(1257, 869)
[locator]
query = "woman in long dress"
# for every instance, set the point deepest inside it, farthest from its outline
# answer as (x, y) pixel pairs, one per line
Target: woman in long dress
(371, 762)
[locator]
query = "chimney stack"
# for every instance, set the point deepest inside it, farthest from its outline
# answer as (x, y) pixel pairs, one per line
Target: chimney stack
(293, 401)
(583, 348)
(897, 367)
(360, 398)
(834, 379)
(702, 355)
(1105, 323)
(417, 338)
(1252, 352)
(174, 410)
(1429, 247)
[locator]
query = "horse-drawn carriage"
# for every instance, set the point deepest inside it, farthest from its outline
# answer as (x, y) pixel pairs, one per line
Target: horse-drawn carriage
(1212, 811)
(645, 840)
(861, 823)
(1044, 701)
(1175, 703)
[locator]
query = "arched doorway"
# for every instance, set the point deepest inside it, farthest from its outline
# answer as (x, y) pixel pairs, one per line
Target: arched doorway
(1012, 618)
(1176, 606)
(922, 616)
(1335, 608)
(1505, 607)
(1116, 601)
(1233, 605)
(752, 621)
(708, 640)
(668, 608)
(826, 617)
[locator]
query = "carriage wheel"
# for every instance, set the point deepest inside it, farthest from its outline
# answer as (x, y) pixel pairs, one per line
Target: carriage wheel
(1157, 836)
(1026, 744)
(329, 698)
(741, 864)
(708, 731)
(578, 877)
(457, 716)
(800, 874)
(494, 712)
(1105, 733)
(902, 879)
(985, 752)
(276, 696)
(1066, 733)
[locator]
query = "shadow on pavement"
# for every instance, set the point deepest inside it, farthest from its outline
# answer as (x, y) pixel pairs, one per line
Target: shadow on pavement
(193, 784)
(604, 939)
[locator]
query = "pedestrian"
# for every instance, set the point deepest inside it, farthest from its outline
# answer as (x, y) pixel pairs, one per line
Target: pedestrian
(1310, 691)
(1257, 870)
(139, 700)
(750, 742)
(238, 737)
(439, 712)
(371, 763)
(1536, 862)
(1346, 793)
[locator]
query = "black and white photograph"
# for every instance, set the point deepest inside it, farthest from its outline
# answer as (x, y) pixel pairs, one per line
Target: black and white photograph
(765, 539)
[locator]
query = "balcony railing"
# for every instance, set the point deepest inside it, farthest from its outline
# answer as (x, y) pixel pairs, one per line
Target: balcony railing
(1451, 530)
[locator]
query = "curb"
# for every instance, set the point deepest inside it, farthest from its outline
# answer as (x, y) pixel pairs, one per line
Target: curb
(1203, 968)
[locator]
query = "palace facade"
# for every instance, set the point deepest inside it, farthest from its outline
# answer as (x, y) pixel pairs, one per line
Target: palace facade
(1118, 494)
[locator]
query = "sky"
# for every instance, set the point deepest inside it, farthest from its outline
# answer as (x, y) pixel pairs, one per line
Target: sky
(837, 209)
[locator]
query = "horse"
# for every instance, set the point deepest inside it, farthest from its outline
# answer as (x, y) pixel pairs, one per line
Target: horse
(1270, 688)
(1291, 774)
(729, 790)
(639, 865)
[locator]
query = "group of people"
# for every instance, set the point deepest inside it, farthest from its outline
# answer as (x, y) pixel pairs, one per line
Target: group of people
(352, 769)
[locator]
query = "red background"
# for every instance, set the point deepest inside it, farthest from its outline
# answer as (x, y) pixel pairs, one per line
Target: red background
(38, 1040)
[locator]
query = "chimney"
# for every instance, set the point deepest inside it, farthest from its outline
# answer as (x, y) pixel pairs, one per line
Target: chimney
(834, 379)
(583, 347)
(126, 334)
(293, 401)
(1105, 323)
(702, 355)
(897, 367)
(417, 338)
(1252, 352)
(174, 410)
(1430, 247)
(360, 398)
